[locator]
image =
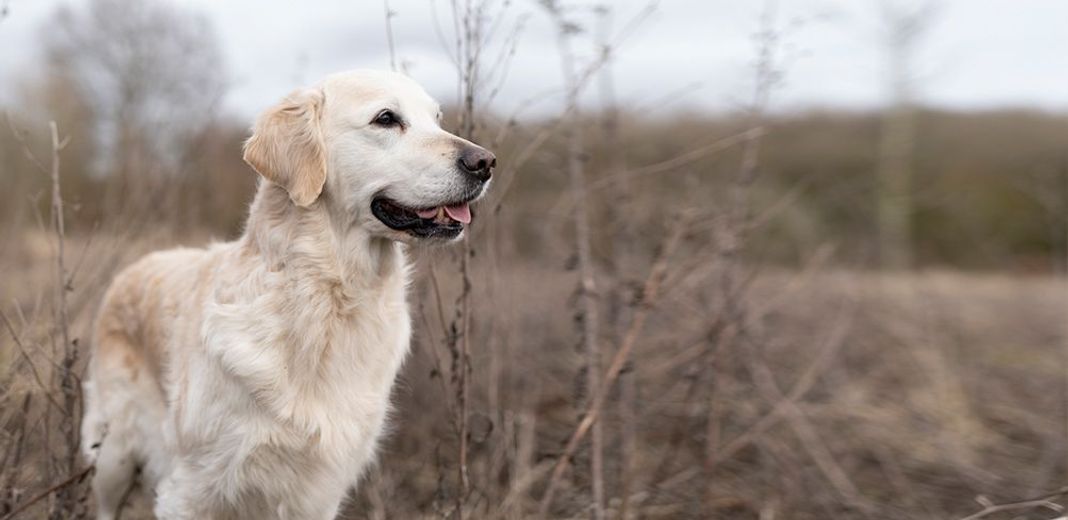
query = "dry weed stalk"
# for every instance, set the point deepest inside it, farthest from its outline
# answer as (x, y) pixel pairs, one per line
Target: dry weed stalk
(587, 290)
(731, 233)
(73, 480)
(582, 79)
(469, 24)
(468, 51)
(1044, 500)
(647, 299)
(389, 35)
(67, 497)
(787, 404)
(12, 459)
(67, 380)
(624, 254)
(806, 433)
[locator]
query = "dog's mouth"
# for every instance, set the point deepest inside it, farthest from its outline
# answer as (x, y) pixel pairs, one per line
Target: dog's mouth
(445, 221)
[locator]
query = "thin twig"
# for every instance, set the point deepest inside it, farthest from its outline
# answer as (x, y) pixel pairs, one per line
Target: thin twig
(582, 79)
(468, 24)
(623, 246)
(26, 357)
(587, 281)
(831, 346)
(810, 439)
(69, 421)
(1042, 500)
(73, 479)
(389, 35)
(463, 391)
(684, 159)
(26, 150)
(649, 295)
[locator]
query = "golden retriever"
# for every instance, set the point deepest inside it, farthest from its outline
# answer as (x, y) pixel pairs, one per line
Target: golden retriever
(251, 379)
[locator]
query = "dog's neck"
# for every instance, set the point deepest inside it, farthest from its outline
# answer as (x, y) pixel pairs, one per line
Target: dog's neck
(329, 274)
(312, 244)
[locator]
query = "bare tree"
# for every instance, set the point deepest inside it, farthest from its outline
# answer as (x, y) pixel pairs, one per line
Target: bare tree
(150, 73)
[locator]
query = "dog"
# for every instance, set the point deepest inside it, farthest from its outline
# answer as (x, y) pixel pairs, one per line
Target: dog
(252, 379)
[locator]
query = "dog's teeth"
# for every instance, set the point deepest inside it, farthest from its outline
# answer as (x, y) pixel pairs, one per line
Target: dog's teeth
(441, 213)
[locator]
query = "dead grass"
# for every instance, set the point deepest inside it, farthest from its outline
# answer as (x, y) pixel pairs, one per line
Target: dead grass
(946, 386)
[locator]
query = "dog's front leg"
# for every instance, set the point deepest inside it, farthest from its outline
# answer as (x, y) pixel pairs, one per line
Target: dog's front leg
(183, 495)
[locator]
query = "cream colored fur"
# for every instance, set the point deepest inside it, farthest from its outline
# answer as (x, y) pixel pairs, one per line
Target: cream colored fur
(252, 379)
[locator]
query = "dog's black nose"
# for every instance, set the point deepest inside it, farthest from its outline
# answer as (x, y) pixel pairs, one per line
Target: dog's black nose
(478, 161)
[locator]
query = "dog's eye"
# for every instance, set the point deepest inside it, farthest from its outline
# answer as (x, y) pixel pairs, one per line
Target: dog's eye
(386, 118)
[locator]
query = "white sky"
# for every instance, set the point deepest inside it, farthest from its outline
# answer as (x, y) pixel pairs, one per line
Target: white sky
(978, 53)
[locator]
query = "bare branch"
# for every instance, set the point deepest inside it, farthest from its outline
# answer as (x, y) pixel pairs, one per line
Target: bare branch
(389, 35)
(76, 478)
(26, 357)
(1044, 500)
(650, 294)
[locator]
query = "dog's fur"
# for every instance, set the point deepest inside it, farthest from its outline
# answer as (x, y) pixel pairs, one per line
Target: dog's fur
(251, 379)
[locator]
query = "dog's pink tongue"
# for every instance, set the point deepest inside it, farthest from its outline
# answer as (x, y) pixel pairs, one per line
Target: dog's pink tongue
(460, 212)
(427, 213)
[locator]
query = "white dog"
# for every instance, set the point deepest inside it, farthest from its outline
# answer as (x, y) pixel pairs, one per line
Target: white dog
(252, 379)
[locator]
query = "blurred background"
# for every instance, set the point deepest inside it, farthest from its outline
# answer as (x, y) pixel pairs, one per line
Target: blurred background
(801, 259)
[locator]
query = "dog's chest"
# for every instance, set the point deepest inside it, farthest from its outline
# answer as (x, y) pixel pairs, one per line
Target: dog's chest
(307, 388)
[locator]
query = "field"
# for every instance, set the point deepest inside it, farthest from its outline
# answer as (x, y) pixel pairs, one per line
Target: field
(849, 394)
(661, 311)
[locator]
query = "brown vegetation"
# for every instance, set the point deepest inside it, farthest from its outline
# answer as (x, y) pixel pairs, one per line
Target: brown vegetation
(655, 317)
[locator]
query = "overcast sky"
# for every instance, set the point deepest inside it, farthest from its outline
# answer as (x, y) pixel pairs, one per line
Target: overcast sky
(688, 54)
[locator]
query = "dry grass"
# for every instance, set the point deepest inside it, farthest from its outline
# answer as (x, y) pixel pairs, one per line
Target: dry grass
(738, 390)
(923, 391)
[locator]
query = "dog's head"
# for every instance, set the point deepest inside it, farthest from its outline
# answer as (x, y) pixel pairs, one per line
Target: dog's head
(369, 145)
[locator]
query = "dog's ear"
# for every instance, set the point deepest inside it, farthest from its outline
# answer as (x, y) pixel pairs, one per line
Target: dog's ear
(286, 146)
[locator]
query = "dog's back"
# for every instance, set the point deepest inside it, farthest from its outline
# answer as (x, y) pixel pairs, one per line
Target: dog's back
(125, 390)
